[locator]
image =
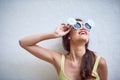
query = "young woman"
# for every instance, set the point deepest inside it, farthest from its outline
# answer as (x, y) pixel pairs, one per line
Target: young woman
(79, 63)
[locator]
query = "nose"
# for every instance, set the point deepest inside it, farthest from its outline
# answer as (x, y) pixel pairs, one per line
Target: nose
(83, 26)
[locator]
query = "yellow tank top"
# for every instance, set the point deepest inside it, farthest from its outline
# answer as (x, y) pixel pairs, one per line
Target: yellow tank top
(62, 75)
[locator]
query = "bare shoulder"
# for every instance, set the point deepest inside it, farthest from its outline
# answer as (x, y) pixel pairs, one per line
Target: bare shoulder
(102, 62)
(102, 69)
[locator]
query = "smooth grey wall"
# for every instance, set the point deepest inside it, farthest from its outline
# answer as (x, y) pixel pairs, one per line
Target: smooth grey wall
(19, 18)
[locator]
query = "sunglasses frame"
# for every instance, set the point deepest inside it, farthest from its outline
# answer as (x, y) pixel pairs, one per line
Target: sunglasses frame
(79, 25)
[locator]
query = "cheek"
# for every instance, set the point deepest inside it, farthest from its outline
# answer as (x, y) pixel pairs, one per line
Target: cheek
(73, 36)
(88, 33)
(88, 36)
(73, 33)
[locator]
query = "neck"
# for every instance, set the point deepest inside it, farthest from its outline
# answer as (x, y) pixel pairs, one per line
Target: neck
(77, 51)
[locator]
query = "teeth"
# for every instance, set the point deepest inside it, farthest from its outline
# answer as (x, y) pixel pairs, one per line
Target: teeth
(82, 32)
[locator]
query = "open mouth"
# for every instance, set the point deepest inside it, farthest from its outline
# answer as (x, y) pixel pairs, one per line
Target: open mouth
(83, 33)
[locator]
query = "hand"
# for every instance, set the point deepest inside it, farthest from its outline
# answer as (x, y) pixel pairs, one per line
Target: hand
(63, 30)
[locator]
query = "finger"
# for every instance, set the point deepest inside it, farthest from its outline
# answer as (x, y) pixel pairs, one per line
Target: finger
(68, 24)
(69, 27)
(63, 24)
(68, 30)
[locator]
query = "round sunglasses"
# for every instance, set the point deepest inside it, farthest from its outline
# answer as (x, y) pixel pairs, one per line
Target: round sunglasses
(79, 25)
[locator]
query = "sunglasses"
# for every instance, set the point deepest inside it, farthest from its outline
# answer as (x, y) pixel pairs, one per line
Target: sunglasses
(77, 25)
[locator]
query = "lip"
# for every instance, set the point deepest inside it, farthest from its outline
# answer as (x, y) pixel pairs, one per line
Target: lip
(83, 32)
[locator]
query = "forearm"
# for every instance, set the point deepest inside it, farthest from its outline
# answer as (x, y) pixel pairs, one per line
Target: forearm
(34, 39)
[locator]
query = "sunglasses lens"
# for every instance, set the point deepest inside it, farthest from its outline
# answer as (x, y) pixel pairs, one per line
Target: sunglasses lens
(77, 26)
(87, 26)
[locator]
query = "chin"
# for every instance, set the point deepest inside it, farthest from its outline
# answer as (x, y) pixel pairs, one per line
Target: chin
(84, 38)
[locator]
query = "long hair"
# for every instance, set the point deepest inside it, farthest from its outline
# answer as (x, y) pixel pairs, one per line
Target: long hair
(88, 58)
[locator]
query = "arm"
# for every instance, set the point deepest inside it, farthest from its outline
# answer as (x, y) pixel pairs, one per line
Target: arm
(29, 43)
(102, 69)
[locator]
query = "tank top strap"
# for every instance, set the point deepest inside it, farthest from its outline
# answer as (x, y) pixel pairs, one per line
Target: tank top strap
(62, 62)
(96, 63)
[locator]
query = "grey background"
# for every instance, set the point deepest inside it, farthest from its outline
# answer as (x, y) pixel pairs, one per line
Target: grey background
(19, 18)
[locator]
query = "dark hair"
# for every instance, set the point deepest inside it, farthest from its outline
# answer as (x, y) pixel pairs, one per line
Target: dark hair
(88, 58)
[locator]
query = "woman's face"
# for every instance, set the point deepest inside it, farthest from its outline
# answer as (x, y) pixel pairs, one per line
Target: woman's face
(80, 35)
